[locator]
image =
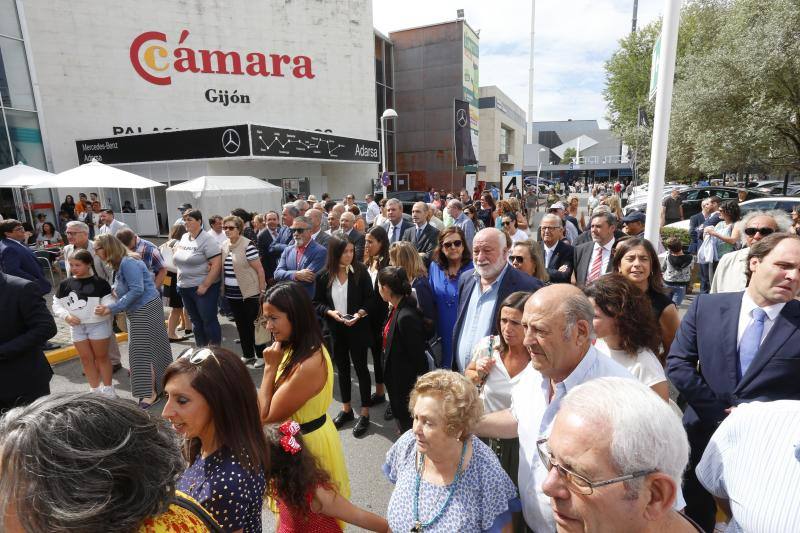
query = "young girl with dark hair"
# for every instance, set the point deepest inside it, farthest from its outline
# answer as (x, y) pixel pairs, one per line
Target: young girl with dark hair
(227, 455)
(298, 377)
(403, 342)
(306, 498)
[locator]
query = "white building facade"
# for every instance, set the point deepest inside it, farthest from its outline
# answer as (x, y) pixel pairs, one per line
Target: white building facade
(304, 72)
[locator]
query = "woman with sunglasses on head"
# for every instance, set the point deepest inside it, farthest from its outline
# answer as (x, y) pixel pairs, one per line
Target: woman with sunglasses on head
(137, 296)
(227, 455)
(342, 298)
(509, 222)
(298, 377)
(243, 282)
(450, 260)
(376, 256)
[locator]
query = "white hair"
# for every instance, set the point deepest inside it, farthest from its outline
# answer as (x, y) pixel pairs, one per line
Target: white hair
(780, 217)
(394, 201)
(645, 432)
(554, 217)
(77, 224)
(499, 235)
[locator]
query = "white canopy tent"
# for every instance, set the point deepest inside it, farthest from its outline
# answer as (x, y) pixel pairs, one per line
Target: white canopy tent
(96, 175)
(20, 176)
(219, 195)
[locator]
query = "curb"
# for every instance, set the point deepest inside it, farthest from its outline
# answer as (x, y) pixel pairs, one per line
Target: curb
(67, 353)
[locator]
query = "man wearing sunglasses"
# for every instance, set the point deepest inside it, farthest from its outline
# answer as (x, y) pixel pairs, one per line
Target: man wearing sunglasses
(302, 260)
(603, 471)
(729, 275)
(738, 347)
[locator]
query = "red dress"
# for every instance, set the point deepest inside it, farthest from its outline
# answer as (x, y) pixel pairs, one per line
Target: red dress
(289, 522)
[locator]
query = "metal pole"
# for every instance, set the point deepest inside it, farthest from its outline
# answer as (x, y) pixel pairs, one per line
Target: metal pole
(658, 160)
(635, 9)
(530, 77)
(383, 153)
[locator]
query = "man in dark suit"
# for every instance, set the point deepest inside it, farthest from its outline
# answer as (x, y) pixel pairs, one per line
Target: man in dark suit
(593, 259)
(285, 237)
(17, 259)
(397, 225)
(558, 255)
(317, 233)
(346, 231)
(269, 257)
(738, 347)
(481, 291)
(27, 325)
(708, 216)
(586, 236)
(302, 261)
(422, 235)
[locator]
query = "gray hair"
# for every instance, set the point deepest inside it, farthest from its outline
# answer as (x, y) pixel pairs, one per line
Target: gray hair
(394, 201)
(74, 462)
(425, 207)
(78, 225)
(301, 205)
(304, 220)
(554, 217)
(291, 209)
(609, 217)
(781, 219)
(456, 203)
(577, 307)
(645, 433)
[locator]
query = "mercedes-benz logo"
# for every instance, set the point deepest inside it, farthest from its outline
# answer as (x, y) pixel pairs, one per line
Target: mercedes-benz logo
(231, 141)
(461, 117)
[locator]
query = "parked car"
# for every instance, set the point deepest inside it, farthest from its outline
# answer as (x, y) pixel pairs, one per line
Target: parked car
(791, 190)
(409, 198)
(692, 198)
(784, 203)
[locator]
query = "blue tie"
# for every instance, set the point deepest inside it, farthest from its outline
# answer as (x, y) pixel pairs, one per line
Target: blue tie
(396, 234)
(419, 232)
(751, 340)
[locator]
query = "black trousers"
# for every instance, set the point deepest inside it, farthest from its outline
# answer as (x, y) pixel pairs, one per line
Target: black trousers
(376, 348)
(399, 389)
(347, 347)
(245, 313)
(700, 505)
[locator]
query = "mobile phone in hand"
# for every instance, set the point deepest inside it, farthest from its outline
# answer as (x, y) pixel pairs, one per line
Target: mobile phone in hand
(348, 317)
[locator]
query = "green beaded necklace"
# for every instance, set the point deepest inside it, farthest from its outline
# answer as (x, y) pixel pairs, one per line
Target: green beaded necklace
(419, 526)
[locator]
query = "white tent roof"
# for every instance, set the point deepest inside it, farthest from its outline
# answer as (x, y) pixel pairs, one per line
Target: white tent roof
(219, 195)
(21, 175)
(97, 175)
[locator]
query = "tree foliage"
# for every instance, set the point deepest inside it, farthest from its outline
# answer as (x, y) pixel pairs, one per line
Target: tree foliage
(569, 155)
(736, 100)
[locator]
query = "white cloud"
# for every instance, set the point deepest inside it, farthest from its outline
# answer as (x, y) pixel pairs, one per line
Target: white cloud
(573, 40)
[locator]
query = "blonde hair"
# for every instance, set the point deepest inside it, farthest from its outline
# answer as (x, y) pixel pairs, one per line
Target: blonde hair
(540, 271)
(237, 221)
(114, 250)
(514, 203)
(461, 404)
(614, 204)
(404, 254)
(503, 207)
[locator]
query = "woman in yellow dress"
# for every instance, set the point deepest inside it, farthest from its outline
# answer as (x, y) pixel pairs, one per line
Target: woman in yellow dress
(298, 377)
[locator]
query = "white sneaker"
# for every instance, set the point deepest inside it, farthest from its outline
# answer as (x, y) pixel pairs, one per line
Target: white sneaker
(248, 360)
(259, 362)
(109, 391)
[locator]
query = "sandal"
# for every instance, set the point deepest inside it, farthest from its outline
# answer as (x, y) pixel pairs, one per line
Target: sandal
(143, 404)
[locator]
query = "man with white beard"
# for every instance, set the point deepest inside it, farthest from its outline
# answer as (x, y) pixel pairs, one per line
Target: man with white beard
(482, 290)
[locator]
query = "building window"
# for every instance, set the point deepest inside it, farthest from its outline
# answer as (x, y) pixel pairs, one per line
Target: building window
(503, 141)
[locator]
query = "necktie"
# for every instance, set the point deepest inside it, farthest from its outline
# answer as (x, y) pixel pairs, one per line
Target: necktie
(751, 340)
(597, 264)
(396, 233)
(419, 233)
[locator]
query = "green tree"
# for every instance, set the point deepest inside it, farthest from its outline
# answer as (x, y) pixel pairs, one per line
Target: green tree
(569, 155)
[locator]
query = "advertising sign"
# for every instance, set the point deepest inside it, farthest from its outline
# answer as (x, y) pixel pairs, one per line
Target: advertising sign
(470, 80)
(279, 142)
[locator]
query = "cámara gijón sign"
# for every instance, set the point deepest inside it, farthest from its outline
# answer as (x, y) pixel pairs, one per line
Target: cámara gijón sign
(156, 61)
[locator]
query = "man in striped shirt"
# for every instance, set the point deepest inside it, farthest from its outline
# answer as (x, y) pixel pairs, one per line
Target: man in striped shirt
(148, 251)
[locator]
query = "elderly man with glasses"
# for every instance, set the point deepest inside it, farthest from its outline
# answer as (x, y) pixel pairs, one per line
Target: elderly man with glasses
(558, 254)
(303, 260)
(557, 321)
(614, 460)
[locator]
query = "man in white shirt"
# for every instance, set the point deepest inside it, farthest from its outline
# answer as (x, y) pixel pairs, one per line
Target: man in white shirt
(752, 466)
(558, 336)
(215, 221)
(593, 259)
(373, 209)
(109, 224)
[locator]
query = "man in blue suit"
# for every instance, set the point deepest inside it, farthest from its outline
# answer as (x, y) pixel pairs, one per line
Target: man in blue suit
(284, 238)
(482, 290)
(396, 224)
(302, 261)
(747, 345)
(708, 216)
(17, 259)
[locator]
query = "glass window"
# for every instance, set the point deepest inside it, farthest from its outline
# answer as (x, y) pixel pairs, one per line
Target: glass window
(143, 199)
(15, 83)
(378, 59)
(389, 65)
(5, 152)
(127, 199)
(503, 141)
(9, 21)
(26, 138)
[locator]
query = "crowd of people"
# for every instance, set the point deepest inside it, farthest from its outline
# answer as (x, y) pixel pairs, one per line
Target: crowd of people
(538, 370)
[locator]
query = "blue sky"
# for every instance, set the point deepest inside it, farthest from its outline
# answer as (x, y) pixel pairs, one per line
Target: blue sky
(573, 40)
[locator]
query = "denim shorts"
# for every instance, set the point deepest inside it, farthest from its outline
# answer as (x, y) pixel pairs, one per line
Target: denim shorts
(94, 331)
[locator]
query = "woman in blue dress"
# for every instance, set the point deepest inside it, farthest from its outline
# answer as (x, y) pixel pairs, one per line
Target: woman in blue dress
(445, 478)
(450, 259)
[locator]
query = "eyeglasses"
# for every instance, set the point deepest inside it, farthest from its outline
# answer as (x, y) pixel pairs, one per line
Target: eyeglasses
(229, 228)
(751, 232)
(198, 357)
(452, 244)
(576, 482)
(507, 223)
(516, 258)
(549, 228)
(297, 230)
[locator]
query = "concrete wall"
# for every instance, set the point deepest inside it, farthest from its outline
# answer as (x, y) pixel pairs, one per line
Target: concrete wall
(89, 84)
(497, 113)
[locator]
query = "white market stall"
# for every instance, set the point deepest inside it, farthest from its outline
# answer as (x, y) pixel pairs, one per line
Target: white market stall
(219, 195)
(96, 175)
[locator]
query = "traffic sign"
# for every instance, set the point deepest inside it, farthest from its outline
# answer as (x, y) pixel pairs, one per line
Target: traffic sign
(511, 179)
(385, 179)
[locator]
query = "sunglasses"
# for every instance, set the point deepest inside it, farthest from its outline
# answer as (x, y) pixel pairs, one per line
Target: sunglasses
(198, 357)
(507, 223)
(297, 230)
(516, 258)
(452, 244)
(751, 232)
(229, 228)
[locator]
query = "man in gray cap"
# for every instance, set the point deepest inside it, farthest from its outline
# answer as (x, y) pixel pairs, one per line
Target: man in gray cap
(633, 224)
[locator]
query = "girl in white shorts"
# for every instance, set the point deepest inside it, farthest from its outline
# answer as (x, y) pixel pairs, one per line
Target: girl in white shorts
(74, 302)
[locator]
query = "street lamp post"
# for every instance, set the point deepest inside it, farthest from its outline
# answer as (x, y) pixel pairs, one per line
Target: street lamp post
(389, 113)
(539, 171)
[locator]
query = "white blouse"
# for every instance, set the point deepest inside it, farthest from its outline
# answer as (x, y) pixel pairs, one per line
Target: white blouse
(339, 295)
